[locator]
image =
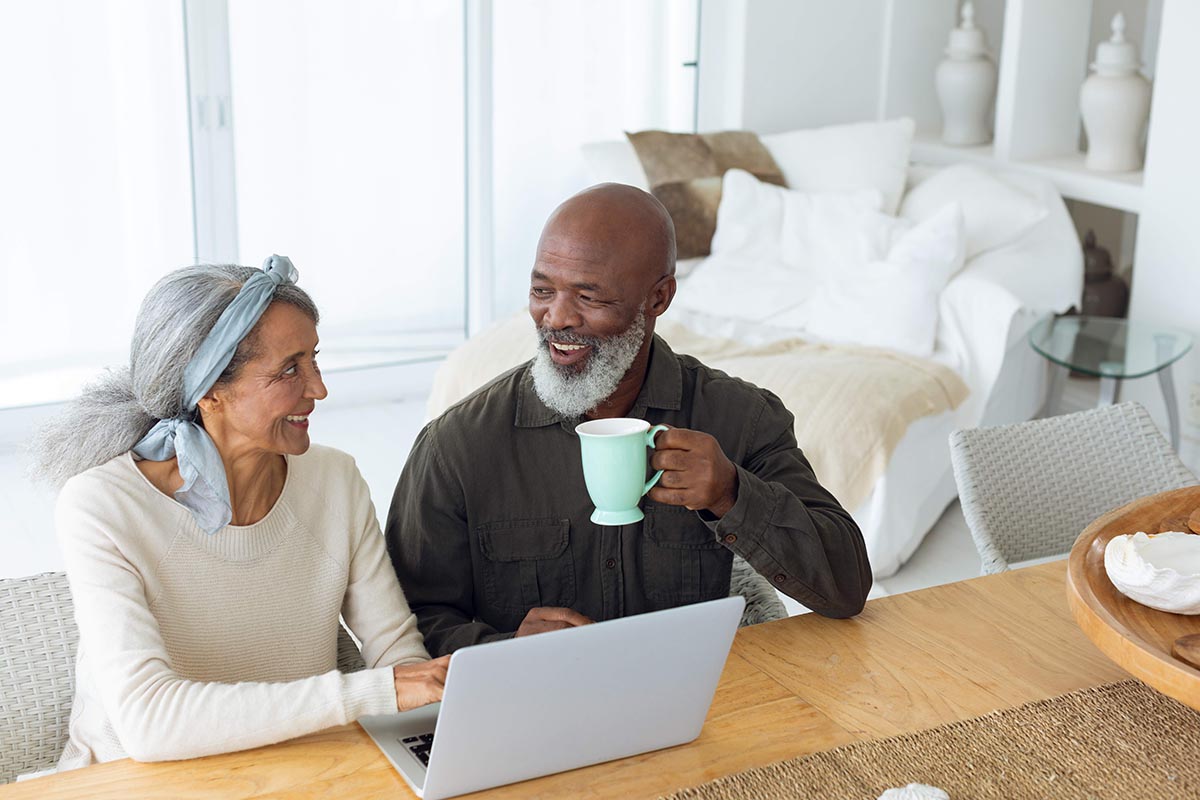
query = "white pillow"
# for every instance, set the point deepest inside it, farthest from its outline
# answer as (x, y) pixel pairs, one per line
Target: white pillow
(863, 155)
(810, 232)
(615, 162)
(730, 287)
(994, 212)
(893, 302)
(773, 246)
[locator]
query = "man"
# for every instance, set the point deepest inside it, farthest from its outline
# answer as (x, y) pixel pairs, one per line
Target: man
(489, 528)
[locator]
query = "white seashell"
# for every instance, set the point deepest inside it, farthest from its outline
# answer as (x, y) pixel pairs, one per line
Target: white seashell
(1160, 571)
(914, 791)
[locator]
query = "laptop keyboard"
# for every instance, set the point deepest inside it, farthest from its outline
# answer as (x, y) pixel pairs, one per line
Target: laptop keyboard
(419, 746)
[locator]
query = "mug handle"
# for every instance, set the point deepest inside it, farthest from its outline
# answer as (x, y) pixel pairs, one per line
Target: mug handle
(650, 434)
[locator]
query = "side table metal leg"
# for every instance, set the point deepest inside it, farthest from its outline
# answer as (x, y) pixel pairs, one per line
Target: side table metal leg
(1110, 382)
(1110, 391)
(1167, 382)
(1058, 379)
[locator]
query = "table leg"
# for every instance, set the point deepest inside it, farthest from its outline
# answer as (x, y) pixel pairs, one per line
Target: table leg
(1168, 389)
(1110, 391)
(1058, 379)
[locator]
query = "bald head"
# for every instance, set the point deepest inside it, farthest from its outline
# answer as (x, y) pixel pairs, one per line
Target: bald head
(616, 225)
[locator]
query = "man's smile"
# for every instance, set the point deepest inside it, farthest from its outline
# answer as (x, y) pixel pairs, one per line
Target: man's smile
(567, 354)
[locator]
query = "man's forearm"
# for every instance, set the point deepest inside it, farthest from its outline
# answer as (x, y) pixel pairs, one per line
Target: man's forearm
(803, 542)
(446, 630)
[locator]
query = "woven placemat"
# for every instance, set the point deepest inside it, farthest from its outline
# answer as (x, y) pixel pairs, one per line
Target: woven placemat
(1121, 740)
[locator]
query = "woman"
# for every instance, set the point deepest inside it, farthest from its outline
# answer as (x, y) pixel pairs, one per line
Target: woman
(210, 549)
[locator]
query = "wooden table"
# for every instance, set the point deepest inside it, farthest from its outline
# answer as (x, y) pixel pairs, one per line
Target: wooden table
(789, 688)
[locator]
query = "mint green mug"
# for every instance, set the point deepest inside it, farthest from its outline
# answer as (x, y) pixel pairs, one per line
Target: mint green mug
(614, 466)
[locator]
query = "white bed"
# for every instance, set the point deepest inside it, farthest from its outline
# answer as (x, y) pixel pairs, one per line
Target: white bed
(918, 484)
(984, 315)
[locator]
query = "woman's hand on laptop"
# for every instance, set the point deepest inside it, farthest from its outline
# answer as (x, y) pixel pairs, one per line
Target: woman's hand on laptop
(549, 618)
(419, 684)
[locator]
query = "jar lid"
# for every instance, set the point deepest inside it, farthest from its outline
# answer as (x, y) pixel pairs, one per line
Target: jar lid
(967, 41)
(1116, 56)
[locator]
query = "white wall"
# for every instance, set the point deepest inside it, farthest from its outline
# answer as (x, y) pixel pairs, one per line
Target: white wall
(915, 36)
(554, 89)
(777, 65)
(811, 62)
(1166, 282)
(989, 18)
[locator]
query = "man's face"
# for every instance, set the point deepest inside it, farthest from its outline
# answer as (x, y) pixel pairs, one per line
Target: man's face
(591, 324)
(578, 306)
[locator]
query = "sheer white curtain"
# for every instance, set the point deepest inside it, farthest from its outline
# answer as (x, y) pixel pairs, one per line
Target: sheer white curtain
(95, 192)
(348, 156)
(348, 142)
(566, 72)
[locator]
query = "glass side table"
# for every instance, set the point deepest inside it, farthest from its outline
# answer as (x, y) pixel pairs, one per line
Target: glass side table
(1112, 350)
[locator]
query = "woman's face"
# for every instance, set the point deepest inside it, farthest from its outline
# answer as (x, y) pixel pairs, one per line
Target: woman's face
(266, 407)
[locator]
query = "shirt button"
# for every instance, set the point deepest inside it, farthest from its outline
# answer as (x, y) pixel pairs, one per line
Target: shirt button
(780, 578)
(612, 562)
(731, 538)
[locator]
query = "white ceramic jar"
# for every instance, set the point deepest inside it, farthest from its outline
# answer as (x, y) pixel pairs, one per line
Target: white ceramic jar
(1115, 103)
(966, 84)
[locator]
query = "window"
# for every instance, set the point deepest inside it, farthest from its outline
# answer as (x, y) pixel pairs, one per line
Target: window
(348, 143)
(568, 72)
(95, 196)
(143, 135)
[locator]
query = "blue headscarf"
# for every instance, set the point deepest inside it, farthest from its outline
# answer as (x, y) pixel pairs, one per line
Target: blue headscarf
(205, 489)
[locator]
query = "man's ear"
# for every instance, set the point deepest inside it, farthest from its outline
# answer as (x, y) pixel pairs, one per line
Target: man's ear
(661, 296)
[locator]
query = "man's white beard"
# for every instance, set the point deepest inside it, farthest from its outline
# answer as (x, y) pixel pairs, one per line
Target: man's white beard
(572, 393)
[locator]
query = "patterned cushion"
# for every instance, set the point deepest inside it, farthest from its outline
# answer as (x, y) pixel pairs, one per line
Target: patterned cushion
(684, 171)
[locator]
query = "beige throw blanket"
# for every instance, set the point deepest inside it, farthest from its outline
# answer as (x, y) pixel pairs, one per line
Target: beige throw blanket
(852, 404)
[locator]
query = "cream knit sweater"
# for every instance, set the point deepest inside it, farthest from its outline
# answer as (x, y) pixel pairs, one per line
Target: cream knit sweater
(191, 644)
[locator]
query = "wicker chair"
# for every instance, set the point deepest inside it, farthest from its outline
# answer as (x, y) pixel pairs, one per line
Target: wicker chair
(762, 602)
(37, 647)
(38, 639)
(1029, 489)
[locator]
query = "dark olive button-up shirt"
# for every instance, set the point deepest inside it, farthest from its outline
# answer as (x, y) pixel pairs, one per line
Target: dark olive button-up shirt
(491, 516)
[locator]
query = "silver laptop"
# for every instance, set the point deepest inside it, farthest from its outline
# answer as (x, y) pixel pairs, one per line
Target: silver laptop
(523, 708)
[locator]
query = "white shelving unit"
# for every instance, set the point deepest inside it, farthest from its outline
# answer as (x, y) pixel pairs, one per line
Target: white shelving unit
(1045, 47)
(1122, 191)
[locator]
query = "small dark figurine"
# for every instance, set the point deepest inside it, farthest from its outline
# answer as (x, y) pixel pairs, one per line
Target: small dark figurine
(1104, 294)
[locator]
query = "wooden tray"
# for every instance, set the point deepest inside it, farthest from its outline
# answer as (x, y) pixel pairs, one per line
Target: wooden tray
(1136, 637)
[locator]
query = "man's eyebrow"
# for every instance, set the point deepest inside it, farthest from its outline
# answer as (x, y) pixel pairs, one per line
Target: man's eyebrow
(584, 285)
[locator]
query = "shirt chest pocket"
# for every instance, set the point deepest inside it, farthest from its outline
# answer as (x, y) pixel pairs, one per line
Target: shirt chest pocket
(527, 563)
(682, 562)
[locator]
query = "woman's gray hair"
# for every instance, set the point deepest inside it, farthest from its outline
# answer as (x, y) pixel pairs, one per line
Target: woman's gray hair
(117, 409)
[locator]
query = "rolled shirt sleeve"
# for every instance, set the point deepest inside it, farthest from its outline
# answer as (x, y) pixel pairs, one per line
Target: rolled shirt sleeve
(788, 527)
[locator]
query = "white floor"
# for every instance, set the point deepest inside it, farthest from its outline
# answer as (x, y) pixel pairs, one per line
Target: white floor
(379, 435)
